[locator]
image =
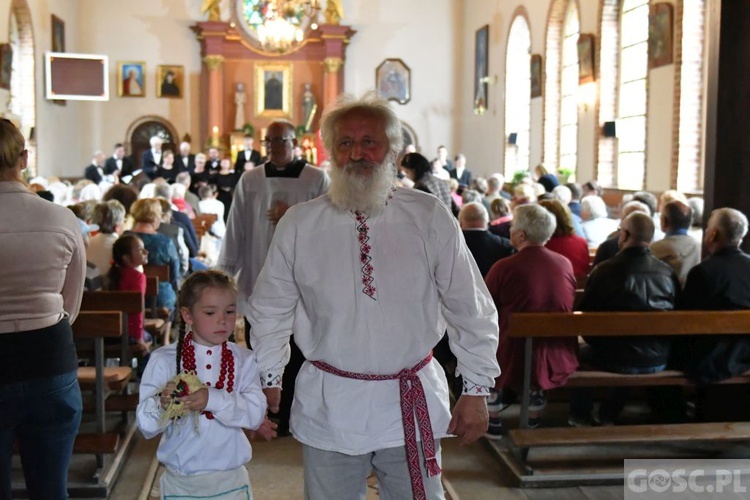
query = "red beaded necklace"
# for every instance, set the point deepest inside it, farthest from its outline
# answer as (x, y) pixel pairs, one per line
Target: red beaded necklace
(227, 366)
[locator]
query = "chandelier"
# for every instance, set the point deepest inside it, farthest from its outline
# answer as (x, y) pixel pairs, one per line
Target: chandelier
(279, 25)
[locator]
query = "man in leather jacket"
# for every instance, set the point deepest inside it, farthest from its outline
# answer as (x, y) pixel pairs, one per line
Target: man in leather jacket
(633, 280)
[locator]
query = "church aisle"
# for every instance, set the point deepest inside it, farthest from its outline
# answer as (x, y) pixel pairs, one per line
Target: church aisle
(470, 472)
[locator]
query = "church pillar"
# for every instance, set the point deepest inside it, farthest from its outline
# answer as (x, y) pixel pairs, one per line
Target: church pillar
(727, 159)
(214, 100)
(333, 80)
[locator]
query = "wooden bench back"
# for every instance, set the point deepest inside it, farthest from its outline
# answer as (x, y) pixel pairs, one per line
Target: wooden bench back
(152, 286)
(202, 223)
(127, 302)
(157, 271)
(99, 324)
(610, 324)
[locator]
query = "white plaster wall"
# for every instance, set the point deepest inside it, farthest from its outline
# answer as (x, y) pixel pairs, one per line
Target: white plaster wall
(425, 34)
(57, 127)
(434, 37)
(155, 32)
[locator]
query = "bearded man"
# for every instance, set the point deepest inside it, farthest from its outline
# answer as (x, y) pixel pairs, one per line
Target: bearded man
(367, 278)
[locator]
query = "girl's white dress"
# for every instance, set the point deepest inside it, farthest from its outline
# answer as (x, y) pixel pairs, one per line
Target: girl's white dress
(195, 446)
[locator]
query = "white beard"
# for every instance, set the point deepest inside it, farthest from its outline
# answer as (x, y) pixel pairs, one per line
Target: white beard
(351, 189)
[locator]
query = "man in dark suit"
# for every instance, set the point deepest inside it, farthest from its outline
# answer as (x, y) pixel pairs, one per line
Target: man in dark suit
(719, 283)
(248, 158)
(443, 161)
(213, 163)
(95, 171)
(152, 158)
(118, 164)
(461, 173)
(485, 247)
(185, 161)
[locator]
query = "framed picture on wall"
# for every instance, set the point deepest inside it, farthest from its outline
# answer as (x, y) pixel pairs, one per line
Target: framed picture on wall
(273, 84)
(131, 78)
(660, 35)
(586, 59)
(481, 49)
(58, 34)
(6, 65)
(393, 80)
(536, 75)
(169, 80)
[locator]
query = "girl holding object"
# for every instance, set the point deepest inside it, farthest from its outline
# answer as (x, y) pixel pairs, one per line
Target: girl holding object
(200, 393)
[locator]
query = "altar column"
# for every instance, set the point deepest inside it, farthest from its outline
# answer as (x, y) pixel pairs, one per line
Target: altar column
(214, 98)
(333, 80)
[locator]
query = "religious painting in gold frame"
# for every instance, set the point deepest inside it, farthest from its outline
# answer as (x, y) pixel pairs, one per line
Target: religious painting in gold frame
(273, 90)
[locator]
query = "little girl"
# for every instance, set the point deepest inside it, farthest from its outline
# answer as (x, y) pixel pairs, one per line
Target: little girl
(128, 254)
(205, 453)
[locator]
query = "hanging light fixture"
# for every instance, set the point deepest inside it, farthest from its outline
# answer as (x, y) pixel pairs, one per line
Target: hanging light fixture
(280, 25)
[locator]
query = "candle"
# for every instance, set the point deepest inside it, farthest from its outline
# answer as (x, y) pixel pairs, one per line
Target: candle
(314, 156)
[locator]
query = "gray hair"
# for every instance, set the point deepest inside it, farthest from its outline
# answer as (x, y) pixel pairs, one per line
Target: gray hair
(563, 194)
(470, 196)
(634, 206)
(473, 212)
(537, 223)
(731, 223)
(163, 191)
(594, 205)
(183, 178)
(107, 215)
(155, 139)
(370, 103)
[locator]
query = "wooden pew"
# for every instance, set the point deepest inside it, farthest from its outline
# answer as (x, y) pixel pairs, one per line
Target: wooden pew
(202, 223)
(605, 324)
(155, 274)
(98, 326)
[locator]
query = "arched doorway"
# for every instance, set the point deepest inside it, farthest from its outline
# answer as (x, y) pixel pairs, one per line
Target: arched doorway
(143, 129)
(410, 136)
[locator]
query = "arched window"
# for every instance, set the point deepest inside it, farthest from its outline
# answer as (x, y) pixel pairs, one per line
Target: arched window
(561, 85)
(631, 123)
(517, 97)
(690, 90)
(608, 65)
(22, 80)
(568, 155)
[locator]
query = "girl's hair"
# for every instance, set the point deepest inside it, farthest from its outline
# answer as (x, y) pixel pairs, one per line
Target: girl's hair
(190, 293)
(122, 246)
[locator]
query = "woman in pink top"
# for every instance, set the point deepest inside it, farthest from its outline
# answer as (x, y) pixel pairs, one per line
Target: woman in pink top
(41, 284)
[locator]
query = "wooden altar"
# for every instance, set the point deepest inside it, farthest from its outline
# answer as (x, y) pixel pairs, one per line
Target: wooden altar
(230, 58)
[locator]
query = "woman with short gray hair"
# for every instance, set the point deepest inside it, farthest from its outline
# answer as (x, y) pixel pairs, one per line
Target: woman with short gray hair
(596, 225)
(110, 217)
(535, 279)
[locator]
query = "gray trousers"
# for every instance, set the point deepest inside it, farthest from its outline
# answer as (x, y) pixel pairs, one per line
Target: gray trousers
(329, 474)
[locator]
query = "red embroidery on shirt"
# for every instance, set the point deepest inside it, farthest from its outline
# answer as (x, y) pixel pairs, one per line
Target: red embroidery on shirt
(363, 236)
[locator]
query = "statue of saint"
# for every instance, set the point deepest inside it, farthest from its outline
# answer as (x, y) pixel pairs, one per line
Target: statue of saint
(211, 7)
(334, 12)
(309, 106)
(239, 99)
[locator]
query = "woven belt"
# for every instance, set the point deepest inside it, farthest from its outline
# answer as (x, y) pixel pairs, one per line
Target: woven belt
(413, 402)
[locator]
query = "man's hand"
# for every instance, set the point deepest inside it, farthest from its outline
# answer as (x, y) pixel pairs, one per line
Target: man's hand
(267, 430)
(273, 396)
(470, 418)
(276, 212)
